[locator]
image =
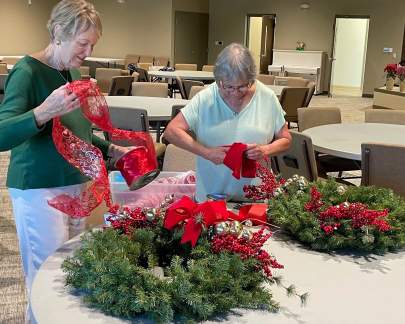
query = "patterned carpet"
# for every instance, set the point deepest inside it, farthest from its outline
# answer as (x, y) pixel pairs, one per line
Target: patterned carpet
(13, 298)
(12, 290)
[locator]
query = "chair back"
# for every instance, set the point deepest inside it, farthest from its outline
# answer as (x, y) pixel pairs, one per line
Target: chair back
(145, 65)
(314, 116)
(311, 91)
(3, 68)
(134, 119)
(382, 166)
(3, 78)
(143, 75)
(177, 159)
(385, 116)
(194, 90)
(298, 159)
(266, 78)
(208, 68)
(104, 77)
(150, 89)
(135, 77)
(161, 61)
(121, 86)
(131, 59)
(188, 84)
(291, 99)
(180, 85)
(146, 59)
(297, 82)
(187, 67)
(176, 109)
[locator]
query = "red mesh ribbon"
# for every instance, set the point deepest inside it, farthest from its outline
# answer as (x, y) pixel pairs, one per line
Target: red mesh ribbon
(88, 158)
(236, 160)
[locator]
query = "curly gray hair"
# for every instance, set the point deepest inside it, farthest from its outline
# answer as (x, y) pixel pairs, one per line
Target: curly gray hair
(235, 62)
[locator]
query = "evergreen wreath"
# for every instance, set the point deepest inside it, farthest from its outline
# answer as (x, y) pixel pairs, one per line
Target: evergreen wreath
(139, 267)
(328, 216)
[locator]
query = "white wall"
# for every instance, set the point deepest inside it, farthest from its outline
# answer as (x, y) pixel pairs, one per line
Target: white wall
(350, 49)
(255, 38)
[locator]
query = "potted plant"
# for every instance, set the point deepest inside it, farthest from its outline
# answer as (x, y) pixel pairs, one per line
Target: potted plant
(401, 76)
(391, 72)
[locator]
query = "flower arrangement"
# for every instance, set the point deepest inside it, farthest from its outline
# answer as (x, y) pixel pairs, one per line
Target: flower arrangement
(401, 72)
(143, 265)
(328, 216)
(391, 70)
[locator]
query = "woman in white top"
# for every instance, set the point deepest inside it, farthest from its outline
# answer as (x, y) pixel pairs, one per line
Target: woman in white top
(236, 108)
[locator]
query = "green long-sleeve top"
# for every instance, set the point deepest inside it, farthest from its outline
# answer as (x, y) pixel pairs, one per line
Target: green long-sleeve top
(34, 161)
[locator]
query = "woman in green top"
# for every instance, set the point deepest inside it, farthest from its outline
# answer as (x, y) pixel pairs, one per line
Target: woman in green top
(35, 93)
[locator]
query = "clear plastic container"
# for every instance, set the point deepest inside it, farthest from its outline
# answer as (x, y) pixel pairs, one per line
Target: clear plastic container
(149, 196)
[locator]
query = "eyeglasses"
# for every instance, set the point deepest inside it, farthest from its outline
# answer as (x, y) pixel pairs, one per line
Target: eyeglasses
(241, 88)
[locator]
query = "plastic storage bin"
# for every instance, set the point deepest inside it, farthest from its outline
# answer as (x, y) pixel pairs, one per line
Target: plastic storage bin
(149, 196)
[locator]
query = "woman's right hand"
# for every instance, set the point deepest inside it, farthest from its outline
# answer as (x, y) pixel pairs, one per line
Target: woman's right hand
(61, 101)
(217, 154)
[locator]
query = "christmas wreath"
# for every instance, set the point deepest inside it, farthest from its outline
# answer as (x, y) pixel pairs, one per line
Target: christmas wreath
(143, 263)
(329, 216)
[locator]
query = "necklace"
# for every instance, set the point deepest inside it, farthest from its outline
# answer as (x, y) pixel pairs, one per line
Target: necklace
(66, 79)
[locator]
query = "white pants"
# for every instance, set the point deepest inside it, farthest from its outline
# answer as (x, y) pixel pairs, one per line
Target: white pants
(41, 229)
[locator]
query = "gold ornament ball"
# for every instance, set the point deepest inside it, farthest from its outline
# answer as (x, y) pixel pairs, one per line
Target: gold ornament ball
(341, 190)
(235, 228)
(246, 234)
(221, 228)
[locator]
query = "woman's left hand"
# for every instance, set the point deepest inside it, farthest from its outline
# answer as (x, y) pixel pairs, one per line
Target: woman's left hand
(256, 152)
(116, 151)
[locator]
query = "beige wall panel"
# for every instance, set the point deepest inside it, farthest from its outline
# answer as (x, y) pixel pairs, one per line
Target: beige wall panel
(314, 27)
(23, 26)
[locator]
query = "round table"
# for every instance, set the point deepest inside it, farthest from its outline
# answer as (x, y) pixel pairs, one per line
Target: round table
(344, 140)
(342, 290)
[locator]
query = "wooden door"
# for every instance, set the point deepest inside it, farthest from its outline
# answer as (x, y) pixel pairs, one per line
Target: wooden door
(191, 38)
(266, 57)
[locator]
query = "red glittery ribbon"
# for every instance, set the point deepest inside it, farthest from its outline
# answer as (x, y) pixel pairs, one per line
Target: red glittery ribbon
(88, 158)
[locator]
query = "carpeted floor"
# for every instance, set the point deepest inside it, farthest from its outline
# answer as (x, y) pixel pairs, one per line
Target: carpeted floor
(12, 290)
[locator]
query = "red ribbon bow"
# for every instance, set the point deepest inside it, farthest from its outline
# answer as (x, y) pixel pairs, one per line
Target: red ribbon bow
(208, 213)
(237, 161)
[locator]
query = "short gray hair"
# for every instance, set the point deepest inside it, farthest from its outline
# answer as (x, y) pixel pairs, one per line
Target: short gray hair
(73, 16)
(235, 62)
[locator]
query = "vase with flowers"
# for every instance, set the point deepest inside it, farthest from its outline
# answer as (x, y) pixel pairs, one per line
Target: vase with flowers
(401, 76)
(391, 73)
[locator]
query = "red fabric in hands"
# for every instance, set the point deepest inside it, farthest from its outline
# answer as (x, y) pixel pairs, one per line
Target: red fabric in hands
(236, 160)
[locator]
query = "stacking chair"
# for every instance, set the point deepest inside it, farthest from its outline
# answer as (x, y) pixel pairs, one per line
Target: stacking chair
(314, 116)
(121, 85)
(291, 99)
(3, 78)
(84, 72)
(298, 159)
(194, 90)
(142, 74)
(145, 59)
(317, 116)
(208, 68)
(132, 119)
(383, 165)
(175, 110)
(187, 67)
(385, 116)
(311, 91)
(131, 59)
(104, 77)
(3, 68)
(180, 86)
(266, 78)
(145, 65)
(297, 82)
(177, 159)
(150, 89)
(188, 84)
(161, 61)
(135, 77)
